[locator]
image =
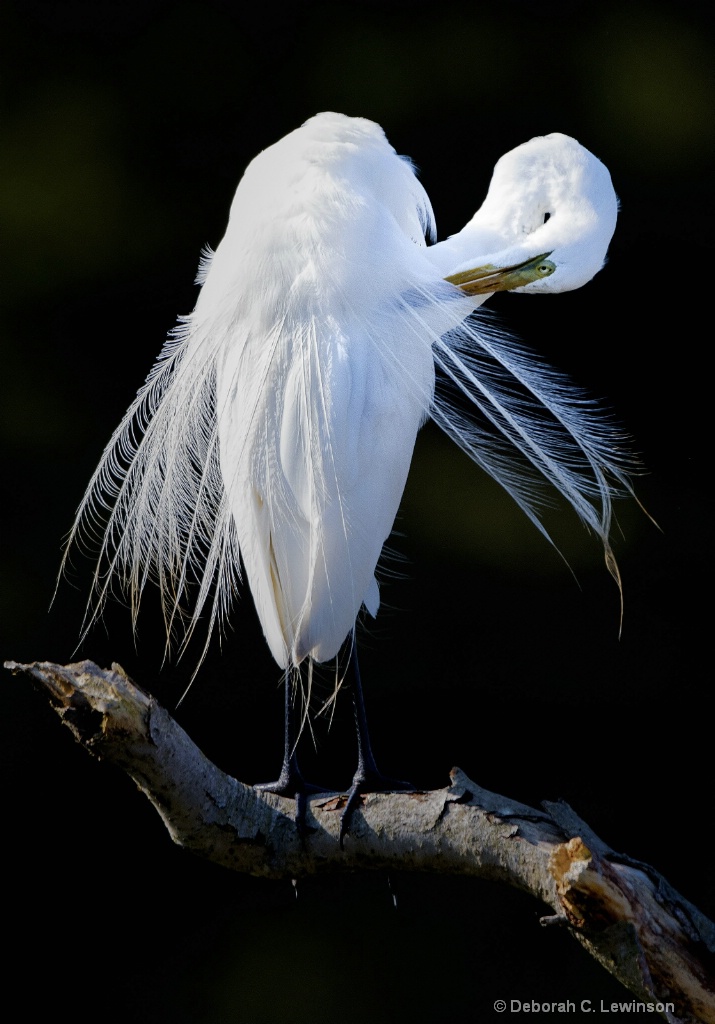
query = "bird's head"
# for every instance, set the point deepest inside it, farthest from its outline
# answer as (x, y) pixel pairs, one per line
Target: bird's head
(549, 200)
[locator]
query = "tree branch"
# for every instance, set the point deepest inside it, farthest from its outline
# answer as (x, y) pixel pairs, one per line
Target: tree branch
(621, 910)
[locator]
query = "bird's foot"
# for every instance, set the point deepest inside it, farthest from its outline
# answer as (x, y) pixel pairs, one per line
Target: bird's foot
(368, 781)
(290, 783)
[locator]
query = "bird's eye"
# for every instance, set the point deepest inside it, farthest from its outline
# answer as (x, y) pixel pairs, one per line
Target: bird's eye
(545, 268)
(547, 216)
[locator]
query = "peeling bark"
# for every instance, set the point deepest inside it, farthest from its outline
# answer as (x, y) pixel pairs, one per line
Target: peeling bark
(621, 910)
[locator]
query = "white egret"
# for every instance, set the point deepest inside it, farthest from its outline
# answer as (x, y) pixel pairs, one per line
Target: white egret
(272, 440)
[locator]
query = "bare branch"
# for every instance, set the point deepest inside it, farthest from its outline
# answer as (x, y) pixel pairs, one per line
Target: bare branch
(622, 911)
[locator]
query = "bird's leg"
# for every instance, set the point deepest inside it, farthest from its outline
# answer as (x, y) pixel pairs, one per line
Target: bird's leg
(290, 782)
(366, 767)
(367, 775)
(290, 773)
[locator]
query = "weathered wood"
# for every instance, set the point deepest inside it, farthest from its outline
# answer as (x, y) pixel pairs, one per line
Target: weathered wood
(621, 910)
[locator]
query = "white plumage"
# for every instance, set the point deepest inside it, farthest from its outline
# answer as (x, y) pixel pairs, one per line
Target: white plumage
(277, 428)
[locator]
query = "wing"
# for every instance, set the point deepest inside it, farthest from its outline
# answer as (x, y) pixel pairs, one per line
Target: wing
(315, 486)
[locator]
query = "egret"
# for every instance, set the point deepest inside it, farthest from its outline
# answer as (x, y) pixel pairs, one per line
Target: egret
(272, 439)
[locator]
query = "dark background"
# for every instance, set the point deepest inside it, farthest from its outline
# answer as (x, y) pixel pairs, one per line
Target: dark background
(125, 128)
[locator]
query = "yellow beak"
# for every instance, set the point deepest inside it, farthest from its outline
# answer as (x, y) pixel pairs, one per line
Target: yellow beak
(487, 279)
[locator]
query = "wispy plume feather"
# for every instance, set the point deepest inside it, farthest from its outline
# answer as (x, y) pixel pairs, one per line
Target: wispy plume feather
(272, 438)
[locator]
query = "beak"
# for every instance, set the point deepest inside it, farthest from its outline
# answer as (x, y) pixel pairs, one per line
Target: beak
(487, 279)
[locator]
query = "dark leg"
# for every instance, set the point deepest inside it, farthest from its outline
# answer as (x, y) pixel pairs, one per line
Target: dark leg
(367, 777)
(290, 782)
